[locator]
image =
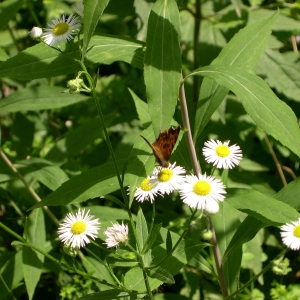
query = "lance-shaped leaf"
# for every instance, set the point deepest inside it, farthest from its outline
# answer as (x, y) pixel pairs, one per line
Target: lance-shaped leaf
(32, 260)
(162, 69)
(37, 98)
(93, 9)
(243, 51)
(93, 183)
(42, 61)
(264, 107)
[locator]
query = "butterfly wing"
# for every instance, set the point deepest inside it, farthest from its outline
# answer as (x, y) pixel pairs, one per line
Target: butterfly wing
(164, 144)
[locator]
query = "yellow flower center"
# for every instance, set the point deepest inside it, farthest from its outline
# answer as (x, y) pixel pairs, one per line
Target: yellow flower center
(202, 188)
(297, 231)
(165, 175)
(60, 29)
(146, 186)
(78, 227)
(223, 151)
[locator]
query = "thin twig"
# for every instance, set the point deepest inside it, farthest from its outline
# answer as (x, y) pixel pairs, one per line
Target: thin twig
(278, 165)
(28, 187)
(290, 171)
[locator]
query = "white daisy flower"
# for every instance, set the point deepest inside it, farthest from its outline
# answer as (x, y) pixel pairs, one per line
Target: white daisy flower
(199, 191)
(147, 190)
(36, 32)
(76, 230)
(170, 178)
(116, 235)
(221, 155)
(79, 9)
(290, 234)
(61, 30)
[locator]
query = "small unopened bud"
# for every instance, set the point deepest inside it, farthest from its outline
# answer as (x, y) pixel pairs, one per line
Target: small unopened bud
(70, 251)
(281, 267)
(35, 32)
(207, 235)
(74, 85)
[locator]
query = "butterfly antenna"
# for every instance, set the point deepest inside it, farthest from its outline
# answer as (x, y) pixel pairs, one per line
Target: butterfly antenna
(147, 142)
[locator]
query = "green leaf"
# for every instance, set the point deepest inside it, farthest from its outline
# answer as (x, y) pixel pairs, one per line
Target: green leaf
(162, 69)
(115, 200)
(169, 243)
(225, 222)
(3, 55)
(290, 194)
(200, 263)
(44, 171)
(245, 232)
(140, 163)
(282, 23)
(12, 271)
(161, 274)
(266, 209)
(33, 261)
(243, 51)
(93, 183)
(267, 111)
(141, 108)
(75, 141)
(93, 9)
(151, 238)
(42, 61)
(280, 74)
(37, 98)
(111, 294)
(185, 251)
(141, 228)
(93, 266)
(8, 10)
(142, 235)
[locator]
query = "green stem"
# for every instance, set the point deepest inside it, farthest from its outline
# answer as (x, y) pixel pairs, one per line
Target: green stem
(27, 186)
(7, 288)
(142, 266)
(33, 14)
(123, 192)
(177, 243)
(218, 261)
(105, 265)
(264, 270)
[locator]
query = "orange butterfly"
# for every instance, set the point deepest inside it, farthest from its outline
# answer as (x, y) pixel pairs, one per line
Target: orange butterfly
(163, 145)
